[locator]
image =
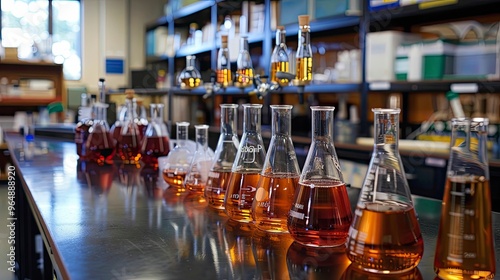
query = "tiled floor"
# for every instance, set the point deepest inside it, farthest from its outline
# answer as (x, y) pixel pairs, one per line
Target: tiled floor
(4, 234)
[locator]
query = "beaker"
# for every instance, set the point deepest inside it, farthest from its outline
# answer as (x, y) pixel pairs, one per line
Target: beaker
(245, 172)
(279, 177)
(156, 142)
(385, 236)
(197, 175)
(465, 246)
(178, 159)
(225, 153)
(321, 212)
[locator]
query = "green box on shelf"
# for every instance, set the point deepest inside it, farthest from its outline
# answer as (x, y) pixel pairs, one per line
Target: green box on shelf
(328, 8)
(290, 10)
(437, 60)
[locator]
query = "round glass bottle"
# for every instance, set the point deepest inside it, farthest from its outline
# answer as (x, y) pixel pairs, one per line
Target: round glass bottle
(197, 175)
(190, 77)
(178, 159)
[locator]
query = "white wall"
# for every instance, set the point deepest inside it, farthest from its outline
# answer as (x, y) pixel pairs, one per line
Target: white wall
(114, 29)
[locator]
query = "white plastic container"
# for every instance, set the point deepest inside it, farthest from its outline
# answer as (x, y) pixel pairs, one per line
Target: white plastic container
(381, 48)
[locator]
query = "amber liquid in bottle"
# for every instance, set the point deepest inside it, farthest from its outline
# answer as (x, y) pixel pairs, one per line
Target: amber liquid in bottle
(224, 77)
(194, 185)
(326, 221)
(216, 188)
(395, 241)
(304, 70)
(240, 195)
(272, 216)
(465, 249)
(128, 148)
(244, 77)
(174, 178)
(190, 83)
(279, 67)
(154, 147)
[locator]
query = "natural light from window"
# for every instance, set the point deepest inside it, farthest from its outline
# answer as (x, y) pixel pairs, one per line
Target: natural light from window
(25, 25)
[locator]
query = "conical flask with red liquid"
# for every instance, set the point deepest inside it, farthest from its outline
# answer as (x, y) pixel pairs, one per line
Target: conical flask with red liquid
(465, 245)
(279, 177)
(156, 141)
(128, 144)
(247, 167)
(225, 153)
(321, 212)
(385, 235)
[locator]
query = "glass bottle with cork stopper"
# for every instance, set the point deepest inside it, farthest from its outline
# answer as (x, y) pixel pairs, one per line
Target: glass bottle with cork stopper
(303, 55)
(279, 57)
(224, 75)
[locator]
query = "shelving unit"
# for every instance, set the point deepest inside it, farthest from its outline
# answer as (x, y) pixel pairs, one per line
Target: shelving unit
(405, 18)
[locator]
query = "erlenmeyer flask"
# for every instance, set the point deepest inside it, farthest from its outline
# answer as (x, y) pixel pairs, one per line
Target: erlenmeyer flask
(225, 153)
(279, 177)
(197, 175)
(100, 145)
(156, 142)
(465, 247)
(178, 159)
(321, 213)
(385, 236)
(247, 166)
(128, 144)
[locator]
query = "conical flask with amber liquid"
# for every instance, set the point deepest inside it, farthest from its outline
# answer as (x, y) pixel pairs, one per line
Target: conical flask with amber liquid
(465, 246)
(321, 212)
(225, 153)
(385, 235)
(246, 169)
(279, 176)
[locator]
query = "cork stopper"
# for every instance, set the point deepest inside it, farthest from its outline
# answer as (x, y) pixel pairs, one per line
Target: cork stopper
(303, 20)
(223, 39)
(281, 28)
(129, 93)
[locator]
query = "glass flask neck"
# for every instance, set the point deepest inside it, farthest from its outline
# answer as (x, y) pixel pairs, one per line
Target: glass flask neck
(156, 112)
(244, 60)
(280, 37)
(182, 133)
(322, 123)
(190, 62)
(228, 119)
(468, 151)
(386, 123)
(201, 136)
(304, 36)
(223, 58)
(281, 119)
(252, 118)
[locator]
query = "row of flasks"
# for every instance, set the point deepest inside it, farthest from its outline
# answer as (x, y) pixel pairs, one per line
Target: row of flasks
(132, 139)
(269, 192)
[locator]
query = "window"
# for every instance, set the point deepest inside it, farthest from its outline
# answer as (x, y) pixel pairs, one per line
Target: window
(44, 29)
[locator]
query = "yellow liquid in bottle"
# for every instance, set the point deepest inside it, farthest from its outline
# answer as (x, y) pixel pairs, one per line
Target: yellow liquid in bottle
(304, 70)
(244, 77)
(224, 77)
(190, 83)
(279, 66)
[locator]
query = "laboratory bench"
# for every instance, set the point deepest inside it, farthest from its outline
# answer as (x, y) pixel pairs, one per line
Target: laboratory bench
(77, 220)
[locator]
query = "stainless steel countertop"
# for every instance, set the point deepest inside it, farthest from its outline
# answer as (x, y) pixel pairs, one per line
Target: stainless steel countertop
(121, 223)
